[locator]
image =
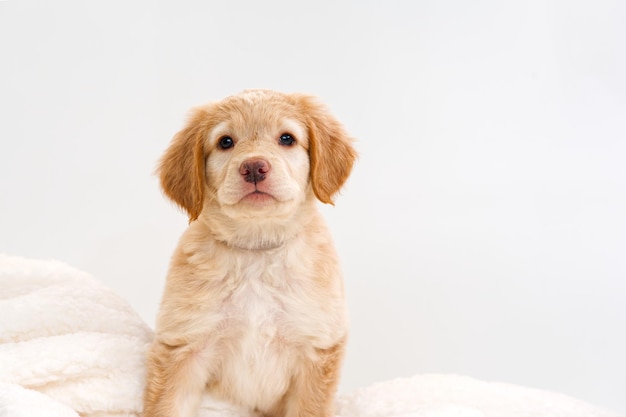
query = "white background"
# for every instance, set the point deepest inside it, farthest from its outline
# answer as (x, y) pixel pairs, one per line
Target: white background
(483, 231)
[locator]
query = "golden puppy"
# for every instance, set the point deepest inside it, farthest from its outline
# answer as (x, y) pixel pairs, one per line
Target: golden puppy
(253, 309)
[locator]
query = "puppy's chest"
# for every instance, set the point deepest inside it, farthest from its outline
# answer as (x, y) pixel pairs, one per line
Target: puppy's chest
(267, 303)
(267, 326)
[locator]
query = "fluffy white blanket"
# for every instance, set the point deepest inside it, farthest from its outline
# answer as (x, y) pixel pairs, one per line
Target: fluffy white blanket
(69, 346)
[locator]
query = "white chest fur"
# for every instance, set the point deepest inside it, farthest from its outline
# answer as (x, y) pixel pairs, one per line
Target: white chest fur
(265, 313)
(260, 343)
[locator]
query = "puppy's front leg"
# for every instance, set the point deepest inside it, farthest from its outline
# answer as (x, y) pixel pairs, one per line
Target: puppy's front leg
(177, 376)
(312, 393)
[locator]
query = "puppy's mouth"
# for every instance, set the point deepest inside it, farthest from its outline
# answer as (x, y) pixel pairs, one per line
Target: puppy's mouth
(258, 197)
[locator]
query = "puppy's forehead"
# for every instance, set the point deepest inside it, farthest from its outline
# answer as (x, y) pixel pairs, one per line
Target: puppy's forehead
(256, 113)
(262, 105)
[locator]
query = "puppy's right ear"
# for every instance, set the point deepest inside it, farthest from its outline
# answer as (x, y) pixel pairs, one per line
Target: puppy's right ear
(181, 168)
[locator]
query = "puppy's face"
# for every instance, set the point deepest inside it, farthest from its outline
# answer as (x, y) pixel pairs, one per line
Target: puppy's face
(256, 154)
(257, 157)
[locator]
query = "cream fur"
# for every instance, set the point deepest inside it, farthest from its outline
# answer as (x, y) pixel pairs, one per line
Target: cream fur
(65, 335)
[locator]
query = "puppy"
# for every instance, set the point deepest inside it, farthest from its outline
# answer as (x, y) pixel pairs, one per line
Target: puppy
(253, 310)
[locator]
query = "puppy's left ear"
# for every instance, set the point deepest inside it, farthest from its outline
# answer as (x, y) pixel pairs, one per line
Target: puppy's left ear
(330, 149)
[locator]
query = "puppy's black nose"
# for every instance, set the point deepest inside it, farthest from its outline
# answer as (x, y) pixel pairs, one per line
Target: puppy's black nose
(254, 170)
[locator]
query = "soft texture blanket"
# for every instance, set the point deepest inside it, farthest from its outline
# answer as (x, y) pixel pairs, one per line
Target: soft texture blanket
(69, 346)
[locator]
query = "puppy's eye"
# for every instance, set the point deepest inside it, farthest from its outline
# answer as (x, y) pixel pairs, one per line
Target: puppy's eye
(226, 142)
(287, 140)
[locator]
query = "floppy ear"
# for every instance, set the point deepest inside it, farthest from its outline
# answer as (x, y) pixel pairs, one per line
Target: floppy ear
(181, 168)
(330, 150)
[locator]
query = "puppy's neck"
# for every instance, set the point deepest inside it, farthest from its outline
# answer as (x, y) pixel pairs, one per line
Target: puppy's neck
(261, 233)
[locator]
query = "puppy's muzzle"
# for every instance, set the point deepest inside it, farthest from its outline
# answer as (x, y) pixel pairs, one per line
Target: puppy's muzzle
(254, 170)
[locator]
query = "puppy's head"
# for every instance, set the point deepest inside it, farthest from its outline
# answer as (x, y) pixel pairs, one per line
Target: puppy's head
(258, 153)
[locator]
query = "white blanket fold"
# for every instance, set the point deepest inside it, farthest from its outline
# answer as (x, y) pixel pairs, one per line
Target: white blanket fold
(69, 346)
